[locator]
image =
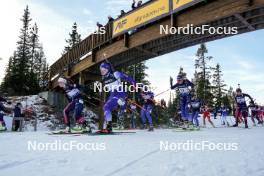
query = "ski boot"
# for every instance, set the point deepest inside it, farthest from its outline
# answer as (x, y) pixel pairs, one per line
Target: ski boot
(77, 129)
(190, 126)
(103, 131)
(195, 127)
(151, 128)
(3, 128)
(67, 130)
(185, 125)
(109, 127)
(144, 127)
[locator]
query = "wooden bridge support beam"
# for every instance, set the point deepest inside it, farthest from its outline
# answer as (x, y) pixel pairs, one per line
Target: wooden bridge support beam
(126, 40)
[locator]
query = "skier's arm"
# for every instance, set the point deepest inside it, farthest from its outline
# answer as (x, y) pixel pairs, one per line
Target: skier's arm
(125, 77)
(251, 99)
(4, 109)
(174, 86)
(189, 83)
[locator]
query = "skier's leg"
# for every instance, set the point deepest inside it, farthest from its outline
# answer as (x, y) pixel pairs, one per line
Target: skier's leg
(237, 113)
(78, 112)
(209, 120)
(143, 116)
(184, 109)
(2, 121)
(109, 106)
(70, 107)
(204, 123)
(253, 120)
(245, 115)
(196, 113)
(148, 114)
(224, 120)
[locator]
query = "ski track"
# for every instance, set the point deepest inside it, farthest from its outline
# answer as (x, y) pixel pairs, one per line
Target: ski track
(14, 164)
(132, 163)
(137, 154)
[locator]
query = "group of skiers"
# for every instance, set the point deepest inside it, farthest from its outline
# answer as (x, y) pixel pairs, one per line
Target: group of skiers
(190, 105)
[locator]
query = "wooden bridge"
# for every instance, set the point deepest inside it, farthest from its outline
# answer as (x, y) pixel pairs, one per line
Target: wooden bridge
(136, 36)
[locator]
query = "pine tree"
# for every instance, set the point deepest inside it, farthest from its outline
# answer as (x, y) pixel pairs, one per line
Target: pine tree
(24, 68)
(21, 62)
(138, 72)
(203, 71)
(75, 38)
(7, 79)
(218, 85)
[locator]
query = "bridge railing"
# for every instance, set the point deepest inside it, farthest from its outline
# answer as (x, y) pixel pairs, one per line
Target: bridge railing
(84, 47)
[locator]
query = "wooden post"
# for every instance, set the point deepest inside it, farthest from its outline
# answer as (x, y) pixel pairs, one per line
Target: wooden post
(173, 20)
(93, 55)
(126, 40)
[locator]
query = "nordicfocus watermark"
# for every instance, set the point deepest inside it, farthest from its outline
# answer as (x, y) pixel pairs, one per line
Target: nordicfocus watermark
(58, 145)
(190, 29)
(190, 145)
(121, 87)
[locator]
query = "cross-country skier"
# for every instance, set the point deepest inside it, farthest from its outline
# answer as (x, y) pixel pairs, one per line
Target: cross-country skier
(112, 79)
(133, 115)
(183, 86)
(3, 110)
(254, 114)
(75, 105)
(195, 108)
(242, 107)
(148, 106)
(207, 115)
(260, 115)
(224, 112)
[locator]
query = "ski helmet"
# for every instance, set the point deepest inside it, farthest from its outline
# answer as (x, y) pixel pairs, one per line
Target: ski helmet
(179, 77)
(106, 66)
(238, 90)
(62, 80)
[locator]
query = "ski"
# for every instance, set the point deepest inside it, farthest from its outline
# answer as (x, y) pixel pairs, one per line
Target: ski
(112, 133)
(66, 133)
(185, 130)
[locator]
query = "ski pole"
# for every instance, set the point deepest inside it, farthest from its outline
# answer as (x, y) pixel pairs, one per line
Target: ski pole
(162, 92)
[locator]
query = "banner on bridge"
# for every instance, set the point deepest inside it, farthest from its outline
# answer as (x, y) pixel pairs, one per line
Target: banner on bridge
(179, 5)
(142, 16)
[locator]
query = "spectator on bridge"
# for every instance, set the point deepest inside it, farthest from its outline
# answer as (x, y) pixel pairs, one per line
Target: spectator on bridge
(110, 19)
(134, 6)
(122, 13)
(99, 25)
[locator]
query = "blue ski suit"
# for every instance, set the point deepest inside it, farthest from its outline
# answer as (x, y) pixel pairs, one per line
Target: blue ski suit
(185, 97)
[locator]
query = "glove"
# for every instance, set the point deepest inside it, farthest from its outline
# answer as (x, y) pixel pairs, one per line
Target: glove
(121, 102)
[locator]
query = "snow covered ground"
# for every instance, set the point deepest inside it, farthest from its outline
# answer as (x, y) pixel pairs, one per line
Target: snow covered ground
(135, 154)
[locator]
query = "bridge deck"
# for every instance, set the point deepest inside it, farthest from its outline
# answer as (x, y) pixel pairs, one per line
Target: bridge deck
(147, 43)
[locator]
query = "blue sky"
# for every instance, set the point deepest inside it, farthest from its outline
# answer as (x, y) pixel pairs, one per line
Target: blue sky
(241, 57)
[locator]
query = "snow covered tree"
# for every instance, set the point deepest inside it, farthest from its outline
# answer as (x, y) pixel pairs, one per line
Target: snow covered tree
(75, 38)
